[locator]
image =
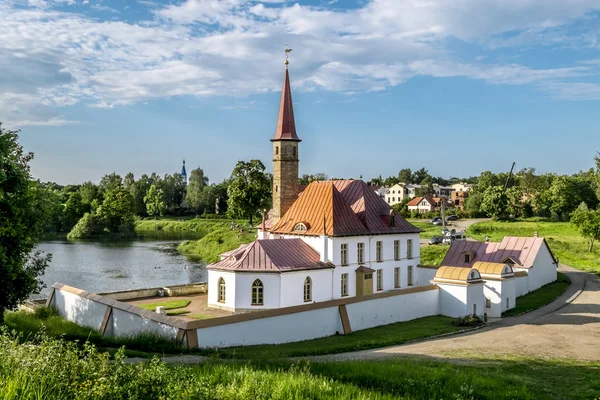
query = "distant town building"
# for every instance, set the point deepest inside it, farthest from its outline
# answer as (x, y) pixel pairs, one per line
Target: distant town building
(395, 194)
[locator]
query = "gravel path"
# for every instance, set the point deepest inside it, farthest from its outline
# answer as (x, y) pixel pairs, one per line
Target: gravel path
(569, 327)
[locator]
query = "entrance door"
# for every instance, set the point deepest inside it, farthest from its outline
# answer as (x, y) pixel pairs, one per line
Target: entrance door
(364, 283)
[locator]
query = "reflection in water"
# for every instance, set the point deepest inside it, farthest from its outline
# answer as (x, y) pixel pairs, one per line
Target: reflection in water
(109, 265)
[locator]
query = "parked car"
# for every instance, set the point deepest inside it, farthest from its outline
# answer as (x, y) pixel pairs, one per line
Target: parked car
(436, 240)
(432, 220)
(451, 218)
(438, 222)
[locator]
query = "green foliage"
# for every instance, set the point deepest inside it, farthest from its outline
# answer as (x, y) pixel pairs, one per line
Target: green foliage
(540, 297)
(73, 211)
(116, 210)
(587, 223)
(22, 220)
(173, 188)
(305, 179)
(473, 204)
(155, 202)
(249, 190)
(564, 195)
(215, 243)
(167, 304)
(200, 225)
(433, 255)
(495, 202)
(195, 188)
(380, 336)
(87, 227)
(467, 320)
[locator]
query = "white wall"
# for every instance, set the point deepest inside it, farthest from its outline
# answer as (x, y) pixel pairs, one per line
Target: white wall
(273, 330)
(243, 290)
(213, 289)
(475, 296)
(543, 270)
(458, 300)
(388, 310)
(79, 310)
(127, 324)
(292, 286)
(521, 284)
(425, 275)
(492, 289)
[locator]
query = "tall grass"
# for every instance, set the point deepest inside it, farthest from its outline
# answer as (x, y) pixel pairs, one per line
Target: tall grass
(199, 225)
(219, 241)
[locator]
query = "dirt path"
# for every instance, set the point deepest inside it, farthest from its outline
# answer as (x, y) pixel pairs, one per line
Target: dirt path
(569, 327)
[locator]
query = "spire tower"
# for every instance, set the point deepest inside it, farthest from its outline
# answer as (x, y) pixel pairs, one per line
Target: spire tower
(285, 152)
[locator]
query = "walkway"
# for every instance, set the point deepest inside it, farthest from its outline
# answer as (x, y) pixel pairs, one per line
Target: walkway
(569, 327)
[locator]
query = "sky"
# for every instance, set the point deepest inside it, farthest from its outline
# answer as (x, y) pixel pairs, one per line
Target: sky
(457, 87)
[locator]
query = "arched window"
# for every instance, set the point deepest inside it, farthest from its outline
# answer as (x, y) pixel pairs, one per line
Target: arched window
(308, 289)
(300, 227)
(257, 293)
(221, 290)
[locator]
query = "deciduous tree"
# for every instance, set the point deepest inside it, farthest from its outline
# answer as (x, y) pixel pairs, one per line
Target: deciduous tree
(588, 223)
(249, 190)
(21, 223)
(495, 202)
(155, 202)
(195, 190)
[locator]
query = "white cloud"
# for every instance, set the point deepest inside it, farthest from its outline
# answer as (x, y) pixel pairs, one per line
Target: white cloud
(234, 48)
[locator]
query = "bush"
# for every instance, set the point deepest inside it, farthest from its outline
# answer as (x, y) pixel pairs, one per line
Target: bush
(467, 320)
(86, 227)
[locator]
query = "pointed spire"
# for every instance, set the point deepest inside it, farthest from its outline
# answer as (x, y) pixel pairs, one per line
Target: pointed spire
(286, 126)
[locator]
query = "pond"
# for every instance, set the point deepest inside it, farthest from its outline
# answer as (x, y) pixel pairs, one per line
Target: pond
(109, 265)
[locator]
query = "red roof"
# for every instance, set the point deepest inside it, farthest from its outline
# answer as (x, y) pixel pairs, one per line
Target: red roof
(522, 250)
(286, 126)
(414, 202)
(275, 255)
(341, 208)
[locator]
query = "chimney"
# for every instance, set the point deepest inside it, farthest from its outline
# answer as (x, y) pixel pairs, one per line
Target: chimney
(324, 242)
(263, 233)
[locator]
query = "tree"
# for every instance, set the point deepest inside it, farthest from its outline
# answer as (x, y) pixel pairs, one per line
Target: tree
(110, 182)
(138, 192)
(420, 175)
(587, 223)
(473, 204)
(116, 212)
(194, 197)
(249, 190)
(73, 211)
(174, 189)
(89, 192)
(495, 202)
(155, 202)
(21, 224)
(405, 176)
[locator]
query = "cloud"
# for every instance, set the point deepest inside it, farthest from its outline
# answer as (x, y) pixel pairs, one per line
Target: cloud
(54, 58)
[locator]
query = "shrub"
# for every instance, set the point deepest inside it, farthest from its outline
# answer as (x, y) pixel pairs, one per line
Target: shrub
(467, 320)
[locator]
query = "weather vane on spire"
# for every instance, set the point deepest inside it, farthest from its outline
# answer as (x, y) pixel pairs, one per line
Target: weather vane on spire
(287, 53)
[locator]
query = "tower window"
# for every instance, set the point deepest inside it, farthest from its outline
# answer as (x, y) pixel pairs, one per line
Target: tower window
(221, 290)
(294, 151)
(276, 150)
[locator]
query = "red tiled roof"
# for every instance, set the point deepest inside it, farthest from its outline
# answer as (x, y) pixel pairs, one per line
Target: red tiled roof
(522, 250)
(414, 202)
(341, 208)
(286, 126)
(274, 255)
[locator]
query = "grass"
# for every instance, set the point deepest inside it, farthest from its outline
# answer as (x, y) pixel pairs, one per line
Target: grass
(213, 244)
(61, 370)
(200, 316)
(380, 336)
(184, 224)
(538, 298)
(429, 230)
(167, 304)
(434, 254)
(562, 237)
(178, 312)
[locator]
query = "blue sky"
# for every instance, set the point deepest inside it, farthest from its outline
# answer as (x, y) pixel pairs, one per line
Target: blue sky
(458, 87)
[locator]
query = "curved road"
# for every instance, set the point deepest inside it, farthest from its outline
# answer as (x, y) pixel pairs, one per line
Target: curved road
(569, 327)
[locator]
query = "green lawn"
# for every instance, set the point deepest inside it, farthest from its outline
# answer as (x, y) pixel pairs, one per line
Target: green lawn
(380, 336)
(434, 254)
(562, 237)
(429, 230)
(167, 304)
(178, 312)
(183, 224)
(57, 369)
(538, 298)
(219, 241)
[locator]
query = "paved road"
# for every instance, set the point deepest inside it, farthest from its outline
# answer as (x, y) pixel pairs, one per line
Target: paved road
(460, 225)
(569, 327)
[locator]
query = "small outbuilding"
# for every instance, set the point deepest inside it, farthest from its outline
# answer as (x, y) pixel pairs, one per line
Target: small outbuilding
(499, 287)
(461, 291)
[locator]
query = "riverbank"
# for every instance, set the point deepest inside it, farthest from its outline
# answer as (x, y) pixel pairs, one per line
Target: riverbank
(215, 243)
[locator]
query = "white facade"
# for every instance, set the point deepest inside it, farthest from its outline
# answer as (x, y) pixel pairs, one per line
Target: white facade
(542, 272)
(458, 300)
(500, 295)
(285, 289)
(423, 206)
(461, 187)
(396, 194)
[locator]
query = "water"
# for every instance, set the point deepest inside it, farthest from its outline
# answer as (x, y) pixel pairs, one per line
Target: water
(108, 265)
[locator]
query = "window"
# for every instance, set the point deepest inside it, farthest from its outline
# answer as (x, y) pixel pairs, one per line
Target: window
(276, 188)
(488, 303)
(368, 276)
(276, 150)
(345, 284)
(221, 290)
(393, 199)
(344, 254)
(379, 251)
(360, 252)
(257, 293)
(507, 303)
(379, 279)
(397, 277)
(467, 258)
(294, 151)
(396, 250)
(409, 249)
(410, 277)
(300, 227)
(474, 309)
(307, 289)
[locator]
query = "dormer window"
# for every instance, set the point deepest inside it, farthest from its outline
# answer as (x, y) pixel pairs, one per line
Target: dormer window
(467, 258)
(300, 227)
(509, 261)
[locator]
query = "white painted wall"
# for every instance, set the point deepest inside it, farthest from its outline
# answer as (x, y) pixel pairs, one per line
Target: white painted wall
(543, 270)
(213, 289)
(475, 296)
(78, 309)
(243, 290)
(493, 290)
(521, 284)
(388, 310)
(128, 324)
(280, 329)
(292, 286)
(425, 275)
(458, 300)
